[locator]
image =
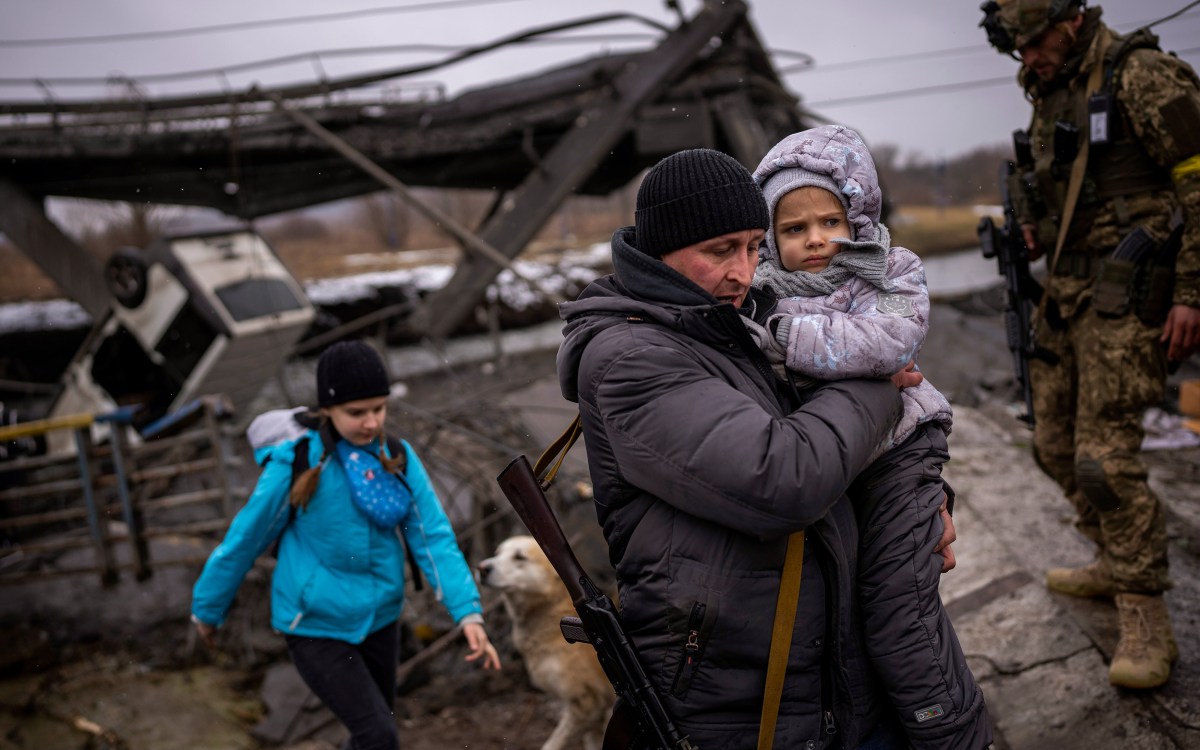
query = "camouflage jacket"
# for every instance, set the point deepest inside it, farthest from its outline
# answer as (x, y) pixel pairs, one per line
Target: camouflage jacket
(1158, 109)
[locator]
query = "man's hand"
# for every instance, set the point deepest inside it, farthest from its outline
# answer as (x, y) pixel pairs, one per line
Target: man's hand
(948, 537)
(908, 377)
(1028, 231)
(1181, 332)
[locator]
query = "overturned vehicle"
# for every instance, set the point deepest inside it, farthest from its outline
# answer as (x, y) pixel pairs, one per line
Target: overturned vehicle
(202, 313)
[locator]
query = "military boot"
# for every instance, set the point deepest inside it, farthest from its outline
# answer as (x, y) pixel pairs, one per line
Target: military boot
(1090, 580)
(1147, 647)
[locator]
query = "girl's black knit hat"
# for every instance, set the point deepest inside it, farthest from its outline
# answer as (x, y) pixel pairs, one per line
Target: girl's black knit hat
(695, 195)
(349, 371)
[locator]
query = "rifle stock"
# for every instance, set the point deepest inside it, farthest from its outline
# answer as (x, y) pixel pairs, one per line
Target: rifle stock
(524, 492)
(599, 623)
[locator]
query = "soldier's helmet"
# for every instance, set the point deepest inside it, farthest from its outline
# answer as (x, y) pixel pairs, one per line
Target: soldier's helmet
(1011, 24)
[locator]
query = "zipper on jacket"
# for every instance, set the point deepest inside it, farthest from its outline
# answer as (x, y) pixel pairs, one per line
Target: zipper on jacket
(438, 595)
(296, 621)
(759, 360)
(692, 651)
(828, 720)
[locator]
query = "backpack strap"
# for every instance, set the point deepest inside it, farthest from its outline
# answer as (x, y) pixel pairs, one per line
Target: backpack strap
(1115, 55)
(396, 450)
(299, 466)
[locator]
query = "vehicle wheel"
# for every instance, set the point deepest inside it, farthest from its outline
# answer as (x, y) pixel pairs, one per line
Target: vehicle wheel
(125, 273)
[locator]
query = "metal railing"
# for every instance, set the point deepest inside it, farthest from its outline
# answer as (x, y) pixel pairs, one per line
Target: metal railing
(120, 492)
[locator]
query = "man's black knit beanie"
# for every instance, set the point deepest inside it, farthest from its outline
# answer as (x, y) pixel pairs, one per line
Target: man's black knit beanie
(349, 371)
(695, 195)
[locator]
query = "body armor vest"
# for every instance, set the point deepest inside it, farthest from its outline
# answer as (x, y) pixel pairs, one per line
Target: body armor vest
(1117, 168)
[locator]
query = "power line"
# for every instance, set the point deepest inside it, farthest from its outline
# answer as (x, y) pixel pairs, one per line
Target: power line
(134, 36)
(927, 54)
(812, 65)
(545, 35)
(314, 56)
(324, 87)
(1176, 14)
(940, 88)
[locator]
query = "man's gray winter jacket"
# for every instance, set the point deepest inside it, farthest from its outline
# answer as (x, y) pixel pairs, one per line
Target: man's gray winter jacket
(700, 469)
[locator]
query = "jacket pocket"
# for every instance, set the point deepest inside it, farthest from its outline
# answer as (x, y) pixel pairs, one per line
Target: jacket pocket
(701, 620)
(304, 600)
(332, 601)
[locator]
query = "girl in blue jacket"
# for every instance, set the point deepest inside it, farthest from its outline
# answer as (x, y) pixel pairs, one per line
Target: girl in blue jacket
(338, 585)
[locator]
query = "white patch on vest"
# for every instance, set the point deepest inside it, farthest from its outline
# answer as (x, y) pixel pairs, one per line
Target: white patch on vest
(895, 304)
(1098, 122)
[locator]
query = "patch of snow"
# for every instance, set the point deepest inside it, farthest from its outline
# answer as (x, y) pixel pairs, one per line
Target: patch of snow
(363, 285)
(41, 316)
(575, 270)
(518, 294)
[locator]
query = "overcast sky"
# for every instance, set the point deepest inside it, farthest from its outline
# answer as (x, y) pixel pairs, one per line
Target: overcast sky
(867, 53)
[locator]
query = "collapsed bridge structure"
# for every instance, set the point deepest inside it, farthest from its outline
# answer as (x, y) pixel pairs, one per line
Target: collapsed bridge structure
(586, 128)
(201, 314)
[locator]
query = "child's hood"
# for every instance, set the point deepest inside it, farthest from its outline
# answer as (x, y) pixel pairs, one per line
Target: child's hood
(839, 152)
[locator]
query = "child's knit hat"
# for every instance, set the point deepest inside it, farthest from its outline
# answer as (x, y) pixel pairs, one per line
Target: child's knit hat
(349, 371)
(695, 195)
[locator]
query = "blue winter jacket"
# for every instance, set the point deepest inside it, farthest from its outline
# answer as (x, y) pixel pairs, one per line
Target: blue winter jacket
(338, 575)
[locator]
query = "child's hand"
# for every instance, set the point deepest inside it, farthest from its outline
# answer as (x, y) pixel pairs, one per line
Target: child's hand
(765, 340)
(908, 377)
(207, 632)
(480, 646)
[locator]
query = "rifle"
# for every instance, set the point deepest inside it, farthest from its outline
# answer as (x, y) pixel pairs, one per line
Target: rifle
(641, 720)
(1007, 245)
(1155, 284)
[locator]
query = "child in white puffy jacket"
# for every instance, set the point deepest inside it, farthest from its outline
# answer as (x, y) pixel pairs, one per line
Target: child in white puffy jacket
(850, 305)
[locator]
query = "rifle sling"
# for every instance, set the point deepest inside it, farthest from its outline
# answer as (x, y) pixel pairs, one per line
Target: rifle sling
(781, 637)
(1080, 165)
(558, 449)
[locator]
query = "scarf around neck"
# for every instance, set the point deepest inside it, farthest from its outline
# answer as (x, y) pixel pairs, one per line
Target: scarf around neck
(866, 260)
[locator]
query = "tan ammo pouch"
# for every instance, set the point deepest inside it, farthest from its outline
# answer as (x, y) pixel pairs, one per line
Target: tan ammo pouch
(1112, 292)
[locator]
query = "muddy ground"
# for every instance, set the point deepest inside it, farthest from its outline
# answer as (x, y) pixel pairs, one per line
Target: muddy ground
(86, 667)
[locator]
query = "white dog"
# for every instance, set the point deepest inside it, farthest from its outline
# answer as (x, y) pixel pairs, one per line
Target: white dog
(536, 600)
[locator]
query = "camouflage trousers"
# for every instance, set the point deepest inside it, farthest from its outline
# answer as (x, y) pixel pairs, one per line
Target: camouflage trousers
(1089, 408)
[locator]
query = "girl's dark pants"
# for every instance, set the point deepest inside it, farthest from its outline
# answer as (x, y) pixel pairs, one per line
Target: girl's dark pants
(357, 682)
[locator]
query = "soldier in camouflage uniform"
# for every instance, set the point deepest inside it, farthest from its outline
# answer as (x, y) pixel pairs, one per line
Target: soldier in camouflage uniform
(1112, 326)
